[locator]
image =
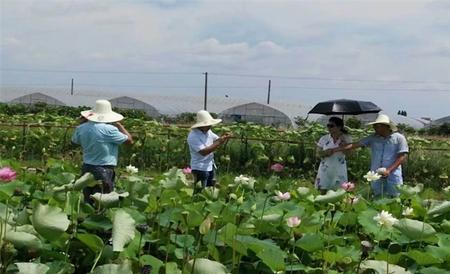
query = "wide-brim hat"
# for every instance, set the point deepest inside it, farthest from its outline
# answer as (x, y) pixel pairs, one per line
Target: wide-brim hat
(102, 113)
(205, 119)
(384, 119)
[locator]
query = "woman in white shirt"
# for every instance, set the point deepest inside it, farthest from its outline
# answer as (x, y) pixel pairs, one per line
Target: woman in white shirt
(333, 168)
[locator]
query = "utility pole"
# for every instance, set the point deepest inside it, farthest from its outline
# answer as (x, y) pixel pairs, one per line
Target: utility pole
(71, 88)
(268, 93)
(206, 91)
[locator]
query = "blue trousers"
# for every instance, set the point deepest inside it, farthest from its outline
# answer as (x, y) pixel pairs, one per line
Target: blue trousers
(206, 177)
(105, 174)
(384, 188)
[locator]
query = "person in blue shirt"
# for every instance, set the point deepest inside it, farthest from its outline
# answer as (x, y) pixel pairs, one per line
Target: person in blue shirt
(389, 150)
(202, 144)
(100, 134)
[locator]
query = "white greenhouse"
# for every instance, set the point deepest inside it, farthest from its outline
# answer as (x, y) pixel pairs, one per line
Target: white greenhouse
(256, 113)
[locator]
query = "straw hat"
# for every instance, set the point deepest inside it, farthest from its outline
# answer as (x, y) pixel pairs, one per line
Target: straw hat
(102, 113)
(205, 119)
(384, 119)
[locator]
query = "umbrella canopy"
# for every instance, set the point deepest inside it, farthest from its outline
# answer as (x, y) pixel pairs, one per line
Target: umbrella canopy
(344, 106)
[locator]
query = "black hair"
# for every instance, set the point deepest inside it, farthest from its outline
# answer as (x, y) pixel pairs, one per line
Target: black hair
(339, 123)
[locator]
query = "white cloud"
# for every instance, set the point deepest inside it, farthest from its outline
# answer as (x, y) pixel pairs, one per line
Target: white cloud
(394, 40)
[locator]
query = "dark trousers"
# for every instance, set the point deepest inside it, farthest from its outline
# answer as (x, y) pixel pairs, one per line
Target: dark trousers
(105, 174)
(206, 177)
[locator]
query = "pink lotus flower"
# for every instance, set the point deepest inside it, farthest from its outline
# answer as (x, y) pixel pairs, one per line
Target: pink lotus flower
(282, 196)
(7, 174)
(277, 167)
(187, 170)
(293, 221)
(348, 186)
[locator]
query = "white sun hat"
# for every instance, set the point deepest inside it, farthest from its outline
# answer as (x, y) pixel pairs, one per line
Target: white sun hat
(384, 119)
(102, 113)
(205, 119)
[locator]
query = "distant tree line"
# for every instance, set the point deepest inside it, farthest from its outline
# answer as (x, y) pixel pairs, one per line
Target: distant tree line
(74, 112)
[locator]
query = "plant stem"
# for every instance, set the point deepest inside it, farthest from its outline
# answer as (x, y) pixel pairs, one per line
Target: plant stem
(96, 260)
(196, 252)
(264, 207)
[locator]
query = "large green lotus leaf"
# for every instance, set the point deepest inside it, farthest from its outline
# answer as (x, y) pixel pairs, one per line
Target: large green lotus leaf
(23, 217)
(32, 268)
(73, 200)
(109, 199)
(123, 229)
(204, 266)
(97, 222)
(423, 258)
(186, 241)
(154, 262)
(94, 242)
(174, 178)
(410, 190)
(62, 178)
(86, 180)
(441, 251)
(23, 239)
(27, 229)
(380, 267)
(113, 269)
(269, 253)
(433, 270)
(303, 191)
(50, 222)
(4, 210)
(272, 218)
(365, 219)
(172, 268)
(414, 229)
(310, 242)
(445, 226)
(331, 196)
(7, 190)
(227, 234)
(60, 267)
(440, 208)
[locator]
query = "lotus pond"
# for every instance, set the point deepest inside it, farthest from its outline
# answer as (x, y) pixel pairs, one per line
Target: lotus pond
(154, 224)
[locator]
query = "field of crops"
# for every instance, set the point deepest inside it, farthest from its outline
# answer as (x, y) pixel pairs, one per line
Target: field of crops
(257, 219)
(253, 149)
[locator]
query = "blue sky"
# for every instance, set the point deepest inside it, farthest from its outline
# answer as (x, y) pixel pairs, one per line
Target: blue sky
(394, 53)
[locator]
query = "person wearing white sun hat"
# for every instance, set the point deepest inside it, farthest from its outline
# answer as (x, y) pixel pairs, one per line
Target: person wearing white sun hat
(100, 134)
(389, 150)
(202, 144)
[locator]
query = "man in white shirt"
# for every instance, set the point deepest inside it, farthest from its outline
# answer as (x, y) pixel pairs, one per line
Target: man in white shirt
(202, 144)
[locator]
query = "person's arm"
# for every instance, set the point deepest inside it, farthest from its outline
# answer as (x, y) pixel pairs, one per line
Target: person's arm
(347, 140)
(402, 155)
(321, 153)
(123, 130)
(344, 148)
(218, 142)
(401, 158)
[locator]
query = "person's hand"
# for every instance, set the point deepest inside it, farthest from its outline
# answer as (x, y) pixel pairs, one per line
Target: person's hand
(328, 152)
(383, 171)
(225, 137)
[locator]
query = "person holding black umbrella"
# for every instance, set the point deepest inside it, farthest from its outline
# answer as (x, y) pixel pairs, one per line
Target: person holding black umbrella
(332, 170)
(389, 150)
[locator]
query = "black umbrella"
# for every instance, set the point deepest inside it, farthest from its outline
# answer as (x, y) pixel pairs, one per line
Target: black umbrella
(345, 107)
